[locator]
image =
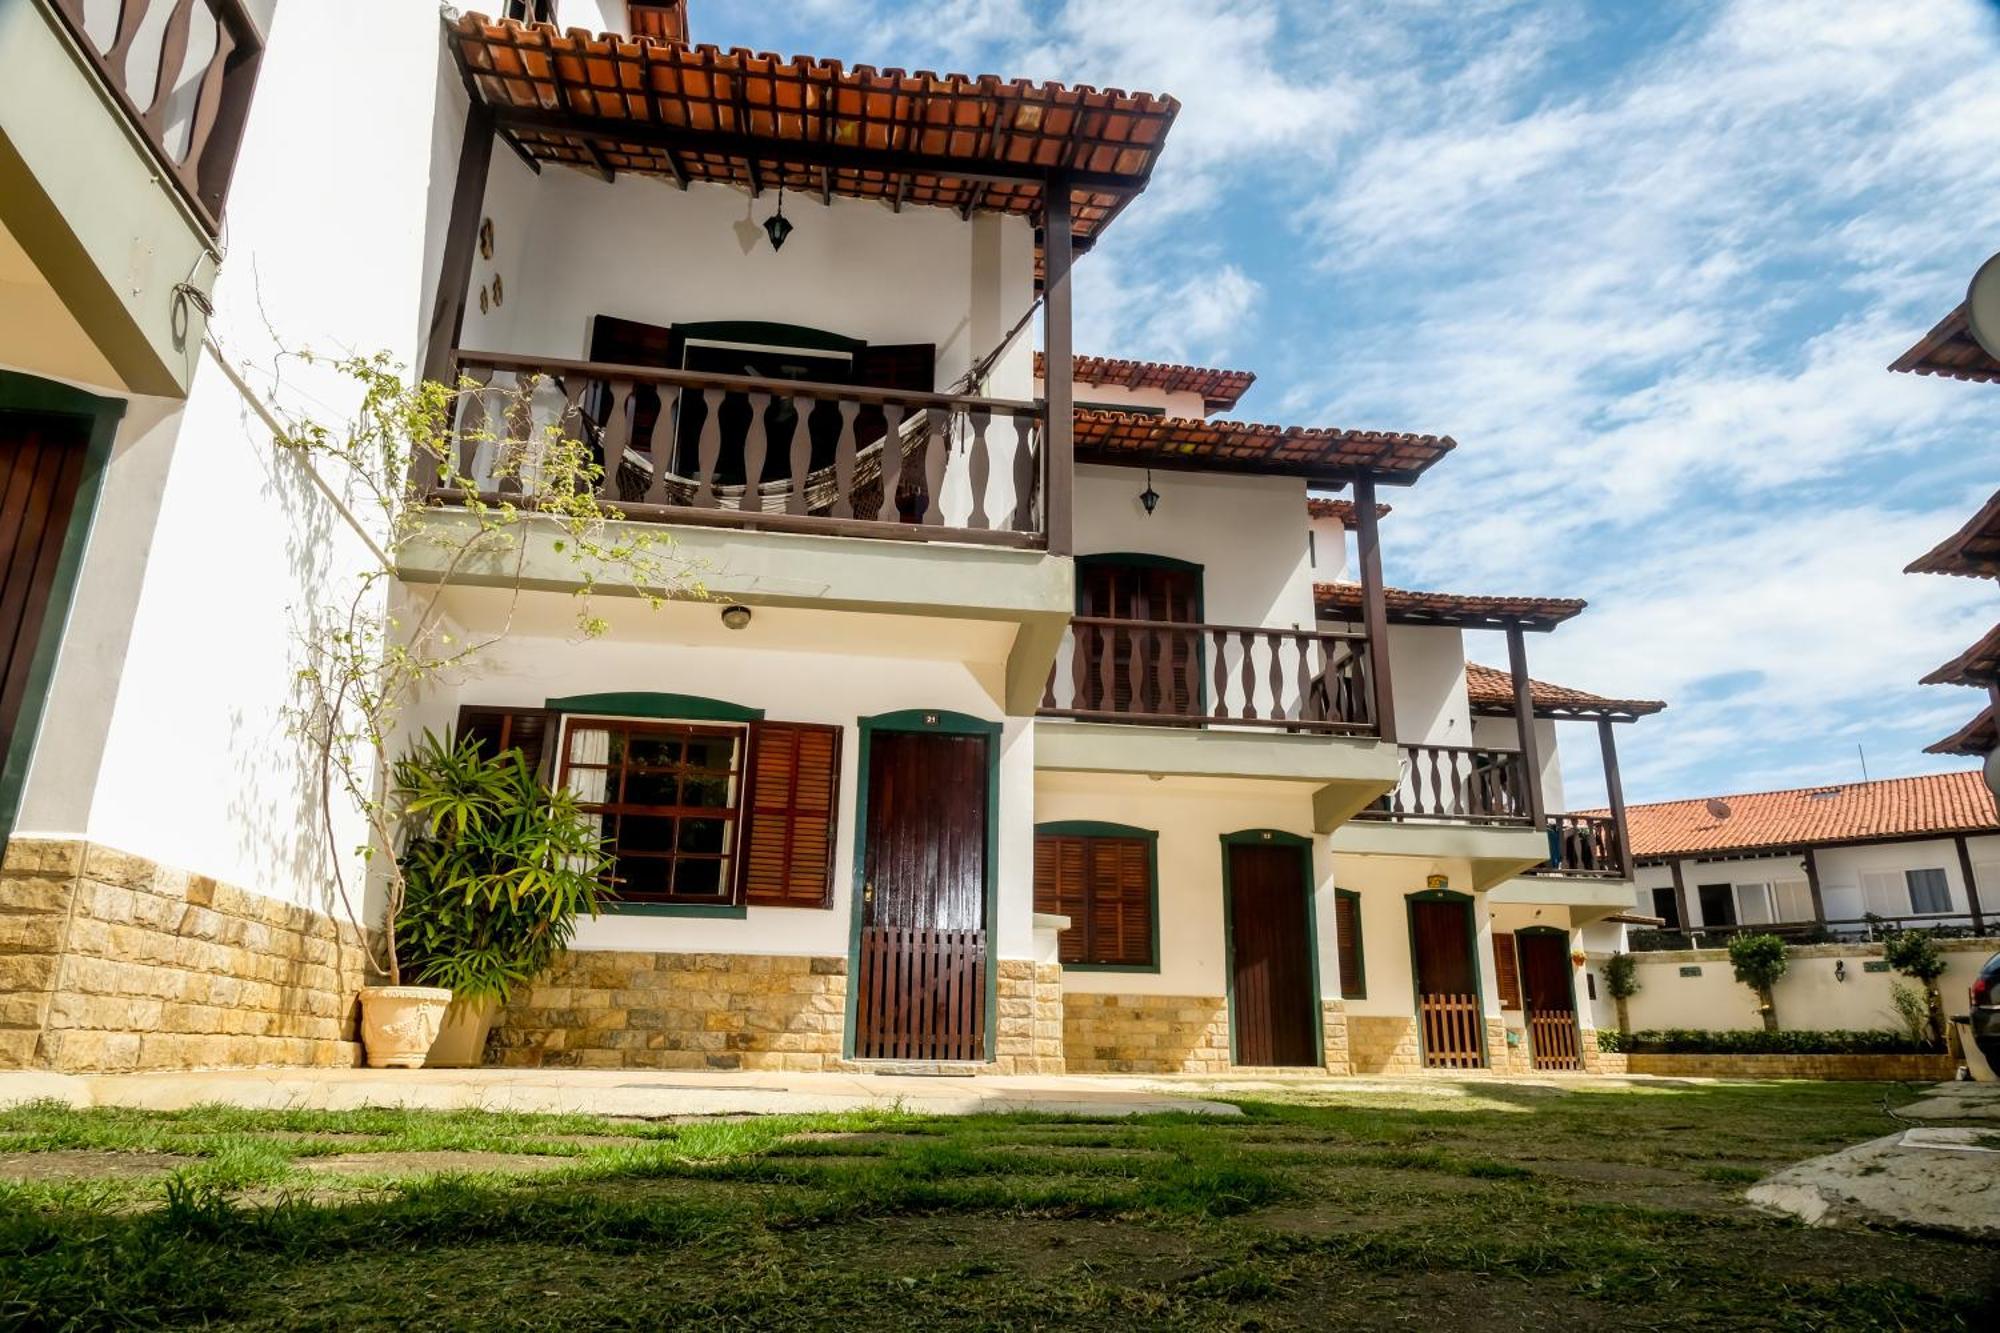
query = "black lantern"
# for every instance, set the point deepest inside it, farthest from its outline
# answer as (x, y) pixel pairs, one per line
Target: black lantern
(776, 226)
(1149, 497)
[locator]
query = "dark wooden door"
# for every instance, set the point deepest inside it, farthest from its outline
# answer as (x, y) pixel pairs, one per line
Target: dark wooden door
(1273, 1009)
(1149, 671)
(1448, 1007)
(1548, 998)
(41, 466)
(921, 992)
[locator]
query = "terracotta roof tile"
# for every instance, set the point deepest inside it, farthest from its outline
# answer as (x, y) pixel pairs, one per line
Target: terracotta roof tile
(1342, 601)
(1319, 506)
(1219, 389)
(1334, 457)
(1949, 350)
(1974, 550)
(1978, 665)
(608, 103)
(1941, 803)
(1491, 691)
(1976, 739)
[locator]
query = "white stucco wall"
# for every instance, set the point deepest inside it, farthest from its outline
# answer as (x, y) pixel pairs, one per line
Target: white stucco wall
(1841, 872)
(1503, 733)
(1191, 817)
(330, 219)
(1385, 884)
(798, 666)
(1428, 665)
(1328, 551)
(1808, 996)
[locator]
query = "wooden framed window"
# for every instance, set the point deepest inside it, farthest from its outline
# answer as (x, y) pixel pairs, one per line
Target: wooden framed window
(1348, 947)
(667, 794)
(789, 813)
(1507, 970)
(1930, 891)
(1104, 879)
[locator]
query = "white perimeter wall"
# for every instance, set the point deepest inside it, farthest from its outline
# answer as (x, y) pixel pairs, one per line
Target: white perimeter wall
(1840, 873)
(767, 666)
(1808, 996)
(1191, 817)
(177, 672)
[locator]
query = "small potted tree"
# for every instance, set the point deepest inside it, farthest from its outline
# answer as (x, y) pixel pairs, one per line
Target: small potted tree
(496, 868)
(1759, 961)
(1915, 954)
(1621, 978)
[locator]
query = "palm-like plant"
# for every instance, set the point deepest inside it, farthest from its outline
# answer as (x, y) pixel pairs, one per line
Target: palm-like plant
(497, 868)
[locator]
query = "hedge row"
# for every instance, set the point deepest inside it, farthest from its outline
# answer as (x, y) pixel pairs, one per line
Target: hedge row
(1756, 1041)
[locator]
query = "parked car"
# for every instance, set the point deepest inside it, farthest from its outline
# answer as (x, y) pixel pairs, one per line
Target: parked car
(1986, 1011)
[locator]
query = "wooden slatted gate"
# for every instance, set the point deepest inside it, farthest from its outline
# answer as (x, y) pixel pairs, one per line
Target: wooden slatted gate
(921, 994)
(1548, 997)
(1552, 1039)
(1452, 1026)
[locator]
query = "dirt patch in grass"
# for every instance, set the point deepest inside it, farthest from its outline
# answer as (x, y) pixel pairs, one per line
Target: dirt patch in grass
(432, 1163)
(84, 1164)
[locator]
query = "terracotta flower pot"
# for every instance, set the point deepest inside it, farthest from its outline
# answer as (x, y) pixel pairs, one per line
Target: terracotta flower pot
(461, 1041)
(399, 1023)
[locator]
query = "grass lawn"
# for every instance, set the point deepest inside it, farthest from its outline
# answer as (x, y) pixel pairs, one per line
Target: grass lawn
(1484, 1206)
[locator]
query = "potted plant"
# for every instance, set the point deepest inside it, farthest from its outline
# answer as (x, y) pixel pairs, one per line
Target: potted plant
(1759, 962)
(496, 866)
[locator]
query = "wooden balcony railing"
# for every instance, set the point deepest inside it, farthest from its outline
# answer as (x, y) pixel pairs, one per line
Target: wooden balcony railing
(1841, 929)
(1587, 846)
(1457, 783)
(182, 71)
(1158, 672)
(779, 455)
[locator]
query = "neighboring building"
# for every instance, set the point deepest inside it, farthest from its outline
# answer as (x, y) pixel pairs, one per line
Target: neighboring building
(1063, 732)
(1839, 861)
(1973, 551)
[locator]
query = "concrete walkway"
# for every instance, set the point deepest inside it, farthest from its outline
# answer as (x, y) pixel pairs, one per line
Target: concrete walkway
(608, 1092)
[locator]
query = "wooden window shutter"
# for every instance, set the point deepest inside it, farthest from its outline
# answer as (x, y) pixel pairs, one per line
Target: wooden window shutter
(528, 730)
(789, 808)
(1061, 888)
(1507, 970)
(1347, 929)
(1105, 887)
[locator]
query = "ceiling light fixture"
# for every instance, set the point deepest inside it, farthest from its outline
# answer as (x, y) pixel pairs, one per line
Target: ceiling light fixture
(736, 617)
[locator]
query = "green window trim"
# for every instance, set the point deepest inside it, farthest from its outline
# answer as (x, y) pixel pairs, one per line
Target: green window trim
(1097, 828)
(1268, 837)
(1360, 991)
(944, 722)
(100, 418)
(717, 911)
(652, 704)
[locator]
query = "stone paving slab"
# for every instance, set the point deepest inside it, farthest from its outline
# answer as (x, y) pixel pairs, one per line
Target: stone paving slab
(1975, 1102)
(87, 1164)
(1933, 1177)
(429, 1163)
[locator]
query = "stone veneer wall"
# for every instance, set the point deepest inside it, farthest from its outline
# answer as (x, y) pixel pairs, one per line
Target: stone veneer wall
(1146, 1034)
(1333, 1036)
(1382, 1045)
(1868, 1068)
(605, 1009)
(111, 962)
(1028, 1037)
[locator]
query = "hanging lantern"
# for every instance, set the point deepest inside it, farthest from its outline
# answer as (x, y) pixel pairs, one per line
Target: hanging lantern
(1149, 497)
(776, 226)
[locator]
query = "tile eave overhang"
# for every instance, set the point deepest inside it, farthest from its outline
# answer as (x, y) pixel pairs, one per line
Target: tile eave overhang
(1330, 457)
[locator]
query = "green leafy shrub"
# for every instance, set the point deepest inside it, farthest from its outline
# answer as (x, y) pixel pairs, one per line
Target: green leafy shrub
(497, 867)
(1759, 961)
(1799, 1041)
(1913, 1010)
(1611, 1043)
(1915, 954)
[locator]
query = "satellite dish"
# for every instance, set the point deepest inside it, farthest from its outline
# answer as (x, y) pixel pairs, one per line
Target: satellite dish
(1982, 306)
(1717, 808)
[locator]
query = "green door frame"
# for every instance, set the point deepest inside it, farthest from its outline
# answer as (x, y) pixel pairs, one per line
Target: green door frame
(935, 722)
(99, 418)
(1575, 1009)
(1269, 837)
(1410, 902)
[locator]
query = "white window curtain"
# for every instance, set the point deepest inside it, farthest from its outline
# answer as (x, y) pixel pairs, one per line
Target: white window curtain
(589, 745)
(1930, 891)
(1883, 893)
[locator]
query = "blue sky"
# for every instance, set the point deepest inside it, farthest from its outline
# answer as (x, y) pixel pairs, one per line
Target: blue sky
(1645, 262)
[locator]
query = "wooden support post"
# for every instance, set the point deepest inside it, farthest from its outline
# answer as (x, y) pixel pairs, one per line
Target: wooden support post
(1058, 354)
(1524, 719)
(1812, 887)
(1374, 605)
(1971, 886)
(468, 199)
(1681, 898)
(1614, 792)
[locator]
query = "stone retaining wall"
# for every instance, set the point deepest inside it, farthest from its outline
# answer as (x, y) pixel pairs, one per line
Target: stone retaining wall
(110, 962)
(605, 1009)
(1925, 1068)
(1029, 1033)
